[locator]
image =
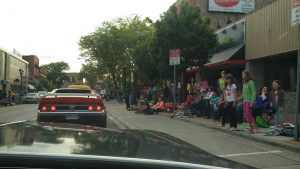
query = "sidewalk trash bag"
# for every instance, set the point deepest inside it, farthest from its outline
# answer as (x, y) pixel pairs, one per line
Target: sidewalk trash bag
(261, 122)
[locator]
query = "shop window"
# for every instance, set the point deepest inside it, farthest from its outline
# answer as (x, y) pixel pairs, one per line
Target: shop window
(283, 69)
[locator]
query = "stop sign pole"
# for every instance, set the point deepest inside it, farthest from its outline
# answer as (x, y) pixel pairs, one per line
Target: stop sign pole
(174, 55)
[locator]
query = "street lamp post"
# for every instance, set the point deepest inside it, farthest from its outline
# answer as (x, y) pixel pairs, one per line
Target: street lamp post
(21, 81)
(132, 80)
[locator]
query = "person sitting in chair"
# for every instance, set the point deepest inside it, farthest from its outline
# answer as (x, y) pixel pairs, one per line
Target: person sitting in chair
(132, 101)
(262, 102)
(159, 106)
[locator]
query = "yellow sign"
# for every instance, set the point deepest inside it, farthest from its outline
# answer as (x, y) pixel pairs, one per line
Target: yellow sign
(85, 87)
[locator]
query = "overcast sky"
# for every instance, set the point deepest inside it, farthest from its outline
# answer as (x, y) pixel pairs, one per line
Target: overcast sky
(51, 29)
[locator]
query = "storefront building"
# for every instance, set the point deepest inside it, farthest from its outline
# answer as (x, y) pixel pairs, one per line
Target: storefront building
(229, 55)
(271, 49)
(227, 21)
(224, 12)
(10, 68)
(34, 70)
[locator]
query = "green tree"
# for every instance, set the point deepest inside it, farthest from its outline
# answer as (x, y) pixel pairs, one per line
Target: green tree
(90, 73)
(183, 27)
(56, 72)
(44, 84)
(55, 67)
(112, 48)
(144, 56)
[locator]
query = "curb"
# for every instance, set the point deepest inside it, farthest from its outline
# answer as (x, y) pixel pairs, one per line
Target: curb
(118, 122)
(290, 147)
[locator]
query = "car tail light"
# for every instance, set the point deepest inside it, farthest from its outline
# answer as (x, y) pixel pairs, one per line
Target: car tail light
(53, 108)
(43, 108)
(98, 108)
(90, 108)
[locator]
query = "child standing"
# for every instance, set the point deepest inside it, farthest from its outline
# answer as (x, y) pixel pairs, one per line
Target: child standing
(249, 97)
(277, 102)
(215, 101)
(230, 97)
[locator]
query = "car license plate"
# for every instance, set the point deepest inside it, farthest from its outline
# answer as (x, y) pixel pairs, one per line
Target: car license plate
(71, 116)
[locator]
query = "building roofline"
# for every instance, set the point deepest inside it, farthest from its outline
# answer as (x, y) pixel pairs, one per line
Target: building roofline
(13, 55)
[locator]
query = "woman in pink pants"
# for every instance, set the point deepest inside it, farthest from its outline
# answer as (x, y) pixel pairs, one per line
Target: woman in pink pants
(249, 97)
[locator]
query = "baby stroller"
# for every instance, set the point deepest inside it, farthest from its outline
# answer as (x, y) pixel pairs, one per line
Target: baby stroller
(183, 111)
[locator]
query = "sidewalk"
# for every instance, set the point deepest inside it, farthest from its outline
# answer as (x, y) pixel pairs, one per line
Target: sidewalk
(281, 141)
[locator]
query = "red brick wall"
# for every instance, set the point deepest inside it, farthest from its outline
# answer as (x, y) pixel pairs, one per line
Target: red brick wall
(34, 71)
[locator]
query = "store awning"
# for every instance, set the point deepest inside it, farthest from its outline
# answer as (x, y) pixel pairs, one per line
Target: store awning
(223, 56)
(226, 63)
(223, 59)
(31, 87)
(4, 82)
(193, 69)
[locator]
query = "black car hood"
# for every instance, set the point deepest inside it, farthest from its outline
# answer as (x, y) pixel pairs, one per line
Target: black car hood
(31, 137)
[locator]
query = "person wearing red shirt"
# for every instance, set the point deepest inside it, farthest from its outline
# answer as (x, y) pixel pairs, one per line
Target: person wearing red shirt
(159, 106)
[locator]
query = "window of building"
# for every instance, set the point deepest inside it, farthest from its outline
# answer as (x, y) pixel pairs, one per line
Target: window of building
(282, 68)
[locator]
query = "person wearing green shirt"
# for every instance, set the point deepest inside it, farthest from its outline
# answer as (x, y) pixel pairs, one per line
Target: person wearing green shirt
(222, 82)
(249, 97)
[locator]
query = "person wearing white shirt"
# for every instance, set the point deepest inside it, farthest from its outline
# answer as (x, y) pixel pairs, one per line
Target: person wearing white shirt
(230, 97)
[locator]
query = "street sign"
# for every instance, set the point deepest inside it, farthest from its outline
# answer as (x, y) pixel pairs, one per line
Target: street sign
(174, 61)
(174, 55)
(295, 12)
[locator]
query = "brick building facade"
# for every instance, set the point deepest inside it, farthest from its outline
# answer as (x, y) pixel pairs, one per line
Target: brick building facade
(34, 69)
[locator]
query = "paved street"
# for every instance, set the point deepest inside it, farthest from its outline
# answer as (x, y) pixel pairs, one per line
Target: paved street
(221, 144)
(28, 112)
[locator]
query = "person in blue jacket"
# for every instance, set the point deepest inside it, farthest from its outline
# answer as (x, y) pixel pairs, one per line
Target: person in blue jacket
(262, 102)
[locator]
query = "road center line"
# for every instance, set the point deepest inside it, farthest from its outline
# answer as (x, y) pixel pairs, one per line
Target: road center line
(253, 153)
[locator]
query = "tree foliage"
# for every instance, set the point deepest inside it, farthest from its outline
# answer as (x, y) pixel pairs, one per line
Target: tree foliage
(55, 67)
(90, 73)
(183, 28)
(44, 84)
(128, 44)
(113, 46)
(56, 72)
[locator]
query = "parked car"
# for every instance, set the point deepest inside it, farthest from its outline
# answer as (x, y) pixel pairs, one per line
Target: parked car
(42, 93)
(31, 98)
